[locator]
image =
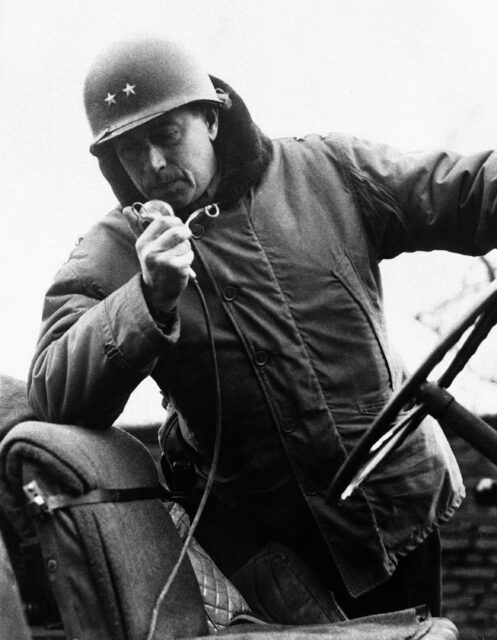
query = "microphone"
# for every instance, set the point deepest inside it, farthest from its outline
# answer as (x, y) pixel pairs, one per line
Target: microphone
(150, 211)
(147, 212)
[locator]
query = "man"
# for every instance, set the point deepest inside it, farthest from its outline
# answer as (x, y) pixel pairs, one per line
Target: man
(289, 269)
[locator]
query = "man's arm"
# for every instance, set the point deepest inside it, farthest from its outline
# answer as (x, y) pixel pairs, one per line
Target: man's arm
(425, 201)
(108, 319)
(92, 352)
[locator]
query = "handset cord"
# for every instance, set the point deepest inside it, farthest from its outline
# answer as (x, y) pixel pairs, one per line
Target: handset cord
(212, 470)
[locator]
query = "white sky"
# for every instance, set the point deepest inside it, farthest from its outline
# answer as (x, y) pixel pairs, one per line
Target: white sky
(413, 73)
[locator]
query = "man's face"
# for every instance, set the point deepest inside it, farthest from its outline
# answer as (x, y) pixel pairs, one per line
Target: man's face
(171, 158)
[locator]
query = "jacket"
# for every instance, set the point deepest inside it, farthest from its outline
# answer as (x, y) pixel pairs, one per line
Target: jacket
(290, 273)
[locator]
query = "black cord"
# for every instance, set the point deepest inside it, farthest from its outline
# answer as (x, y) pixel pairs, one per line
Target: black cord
(212, 470)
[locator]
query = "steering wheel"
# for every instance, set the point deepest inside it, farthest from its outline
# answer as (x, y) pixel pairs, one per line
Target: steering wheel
(419, 397)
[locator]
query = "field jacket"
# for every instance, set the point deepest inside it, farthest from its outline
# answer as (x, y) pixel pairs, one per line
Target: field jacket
(290, 273)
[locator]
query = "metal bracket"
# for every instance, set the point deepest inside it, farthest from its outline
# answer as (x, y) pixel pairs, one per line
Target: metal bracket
(37, 503)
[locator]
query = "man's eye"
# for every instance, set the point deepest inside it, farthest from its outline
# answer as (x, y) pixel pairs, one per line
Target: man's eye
(129, 150)
(168, 136)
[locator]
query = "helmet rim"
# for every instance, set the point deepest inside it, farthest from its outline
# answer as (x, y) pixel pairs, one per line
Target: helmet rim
(109, 133)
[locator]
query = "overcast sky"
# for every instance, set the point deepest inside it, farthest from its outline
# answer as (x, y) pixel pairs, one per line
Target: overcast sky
(413, 73)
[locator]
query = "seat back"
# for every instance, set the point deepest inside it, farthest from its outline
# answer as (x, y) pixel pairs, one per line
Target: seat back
(107, 562)
(12, 621)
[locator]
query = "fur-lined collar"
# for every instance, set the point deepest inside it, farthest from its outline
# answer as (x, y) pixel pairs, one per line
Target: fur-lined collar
(243, 153)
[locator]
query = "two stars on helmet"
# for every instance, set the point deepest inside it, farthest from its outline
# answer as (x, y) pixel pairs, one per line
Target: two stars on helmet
(128, 90)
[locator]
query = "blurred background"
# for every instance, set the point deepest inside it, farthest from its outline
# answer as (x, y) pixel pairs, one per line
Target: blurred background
(413, 73)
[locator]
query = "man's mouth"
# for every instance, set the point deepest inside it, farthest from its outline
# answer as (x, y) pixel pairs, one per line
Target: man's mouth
(166, 186)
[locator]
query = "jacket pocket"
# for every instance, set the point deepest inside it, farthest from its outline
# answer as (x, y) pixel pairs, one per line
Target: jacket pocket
(347, 274)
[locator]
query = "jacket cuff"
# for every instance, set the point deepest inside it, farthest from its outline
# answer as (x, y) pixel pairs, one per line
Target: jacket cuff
(164, 320)
(131, 334)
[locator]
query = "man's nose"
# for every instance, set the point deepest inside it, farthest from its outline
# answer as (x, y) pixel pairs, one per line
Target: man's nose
(156, 157)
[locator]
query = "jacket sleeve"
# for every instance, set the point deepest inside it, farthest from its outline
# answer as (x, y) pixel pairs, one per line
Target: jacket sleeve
(424, 201)
(93, 351)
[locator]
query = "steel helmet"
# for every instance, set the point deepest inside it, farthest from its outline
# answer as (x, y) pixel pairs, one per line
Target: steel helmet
(134, 81)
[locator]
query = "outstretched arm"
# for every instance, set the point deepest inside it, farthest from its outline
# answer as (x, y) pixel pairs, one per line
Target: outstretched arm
(424, 201)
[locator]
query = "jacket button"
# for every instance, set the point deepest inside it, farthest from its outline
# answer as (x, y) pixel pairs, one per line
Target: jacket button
(289, 425)
(310, 488)
(261, 358)
(230, 293)
(52, 565)
(197, 230)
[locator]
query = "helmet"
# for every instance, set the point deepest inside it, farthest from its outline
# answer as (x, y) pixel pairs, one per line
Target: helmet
(134, 81)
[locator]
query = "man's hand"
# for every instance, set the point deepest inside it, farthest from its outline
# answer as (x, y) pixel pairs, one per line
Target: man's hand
(165, 256)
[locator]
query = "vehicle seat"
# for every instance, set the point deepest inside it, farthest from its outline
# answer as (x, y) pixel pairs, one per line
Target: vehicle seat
(107, 561)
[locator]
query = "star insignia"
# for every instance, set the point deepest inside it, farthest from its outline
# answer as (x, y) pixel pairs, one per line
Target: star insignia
(110, 99)
(129, 89)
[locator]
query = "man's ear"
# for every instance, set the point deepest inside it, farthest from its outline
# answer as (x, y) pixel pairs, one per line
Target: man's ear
(212, 120)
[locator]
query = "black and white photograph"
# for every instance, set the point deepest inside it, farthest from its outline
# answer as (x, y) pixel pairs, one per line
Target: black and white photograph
(248, 375)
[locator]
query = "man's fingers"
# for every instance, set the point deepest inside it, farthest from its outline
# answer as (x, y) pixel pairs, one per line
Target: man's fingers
(160, 226)
(165, 255)
(175, 250)
(164, 247)
(182, 248)
(180, 263)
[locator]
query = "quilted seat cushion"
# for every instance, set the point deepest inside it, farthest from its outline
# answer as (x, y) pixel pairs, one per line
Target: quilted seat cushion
(222, 601)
